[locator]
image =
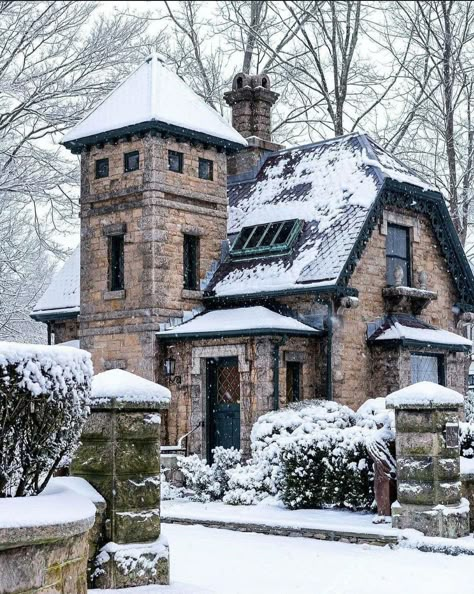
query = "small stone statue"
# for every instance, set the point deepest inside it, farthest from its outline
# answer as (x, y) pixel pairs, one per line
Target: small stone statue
(398, 275)
(422, 280)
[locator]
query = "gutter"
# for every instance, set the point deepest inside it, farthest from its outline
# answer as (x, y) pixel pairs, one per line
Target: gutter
(336, 290)
(330, 332)
(411, 343)
(169, 335)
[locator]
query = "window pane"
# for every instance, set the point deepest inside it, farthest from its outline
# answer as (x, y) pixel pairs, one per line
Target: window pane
(116, 262)
(132, 161)
(256, 237)
(425, 368)
(397, 241)
(205, 169)
(101, 168)
(244, 235)
(293, 375)
(285, 231)
(175, 161)
(270, 234)
(190, 262)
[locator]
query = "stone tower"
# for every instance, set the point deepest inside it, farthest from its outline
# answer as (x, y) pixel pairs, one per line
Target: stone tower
(153, 211)
(251, 100)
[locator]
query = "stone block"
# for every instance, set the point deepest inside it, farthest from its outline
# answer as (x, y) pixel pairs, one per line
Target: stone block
(93, 458)
(444, 521)
(447, 468)
(414, 444)
(416, 492)
(136, 526)
(137, 457)
(137, 492)
(415, 421)
(411, 468)
(98, 427)
(138, 425)
(448, 492)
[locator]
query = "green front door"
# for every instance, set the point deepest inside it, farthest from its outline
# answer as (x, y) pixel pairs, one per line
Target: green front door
(223, 389)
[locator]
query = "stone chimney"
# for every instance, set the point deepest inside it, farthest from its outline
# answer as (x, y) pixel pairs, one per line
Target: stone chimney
(251, 101)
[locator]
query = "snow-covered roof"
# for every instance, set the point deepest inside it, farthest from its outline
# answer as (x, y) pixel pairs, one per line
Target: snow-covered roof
(62, 297)
(425, 394)
(123, 386)
(408, 329)
(331, 187)
(153, 94)
(240, 320)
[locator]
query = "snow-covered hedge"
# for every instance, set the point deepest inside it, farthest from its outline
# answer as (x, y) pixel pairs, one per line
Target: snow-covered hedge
(466, 439)
(44, 395)
(469, 406)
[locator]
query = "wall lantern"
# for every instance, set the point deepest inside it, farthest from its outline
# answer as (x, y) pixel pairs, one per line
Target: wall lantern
(170, 367)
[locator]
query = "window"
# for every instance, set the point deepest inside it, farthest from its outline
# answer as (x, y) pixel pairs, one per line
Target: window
(428, 368)
(191, 262)
(206, 169)
(116, 262)
(293, 377)
(175, 161)
(271, 237)
(131, 161)
(101, 168)
(398, 256)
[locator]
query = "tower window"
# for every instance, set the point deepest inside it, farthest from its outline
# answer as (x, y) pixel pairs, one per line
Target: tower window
(398, 256)
(131, 161)
(293, 381)
(206, 169)
(175, 161)
(191, 262)
(116, 263)
(101, 168)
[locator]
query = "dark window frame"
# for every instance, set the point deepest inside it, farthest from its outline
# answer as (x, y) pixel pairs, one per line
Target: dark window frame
(126, 161)
(191, 271)
(441, 364)
(208, 162)
(293, 373)
(180, 157)
(247, 237)
(397, 258)
(116, 262)
(98, 163)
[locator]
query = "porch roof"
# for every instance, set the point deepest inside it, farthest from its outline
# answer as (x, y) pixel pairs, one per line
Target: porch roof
(412, 332)
(241, 321)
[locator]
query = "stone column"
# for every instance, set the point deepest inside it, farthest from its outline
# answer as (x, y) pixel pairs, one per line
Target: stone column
(120, 457)
(427, 448)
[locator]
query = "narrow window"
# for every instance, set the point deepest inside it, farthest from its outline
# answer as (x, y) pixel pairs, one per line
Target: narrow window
(429, 368)
(131, 161)
(398, 256)
(293, 378)
(116, 262)
(191, 262)
(175, 161)
(206, 169)
(101, 168)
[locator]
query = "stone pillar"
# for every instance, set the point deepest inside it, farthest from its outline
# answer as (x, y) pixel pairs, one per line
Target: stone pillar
(120, 457)
(427, 448)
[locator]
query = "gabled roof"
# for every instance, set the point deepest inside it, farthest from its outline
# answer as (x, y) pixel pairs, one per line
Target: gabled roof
(410, 331)
(153, 97)
(241, 321)
(333, 187)
(62, 297)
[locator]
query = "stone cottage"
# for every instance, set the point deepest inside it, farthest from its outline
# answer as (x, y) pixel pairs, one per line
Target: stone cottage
(246, 275)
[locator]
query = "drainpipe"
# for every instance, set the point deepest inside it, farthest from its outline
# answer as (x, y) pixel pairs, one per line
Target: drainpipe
(329, 394)
(276, 371)
(48, 325)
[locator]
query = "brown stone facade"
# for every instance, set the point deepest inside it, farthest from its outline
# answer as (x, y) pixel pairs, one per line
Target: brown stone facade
(154, 208)
(65, 330)
(360, 372)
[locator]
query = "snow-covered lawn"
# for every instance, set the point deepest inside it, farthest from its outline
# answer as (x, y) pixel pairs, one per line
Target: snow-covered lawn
(210, 561)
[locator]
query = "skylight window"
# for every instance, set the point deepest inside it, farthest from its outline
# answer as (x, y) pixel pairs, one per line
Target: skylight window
(268, 238)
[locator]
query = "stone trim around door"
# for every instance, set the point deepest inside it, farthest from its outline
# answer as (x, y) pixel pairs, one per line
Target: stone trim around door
(198, 439)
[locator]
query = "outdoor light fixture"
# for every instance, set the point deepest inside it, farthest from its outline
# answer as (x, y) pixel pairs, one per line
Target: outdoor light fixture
(170, 367)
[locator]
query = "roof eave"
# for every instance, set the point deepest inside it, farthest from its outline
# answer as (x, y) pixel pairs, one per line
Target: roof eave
(77, 144)
(52, 315)
(169, 335)
(410, 343)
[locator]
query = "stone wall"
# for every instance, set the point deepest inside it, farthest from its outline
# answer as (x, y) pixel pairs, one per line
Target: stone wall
(352, 369)
(65, 330)
(154, 207)
(256, 356)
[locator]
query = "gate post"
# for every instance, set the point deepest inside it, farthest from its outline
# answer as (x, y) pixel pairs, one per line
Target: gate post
(427, 446)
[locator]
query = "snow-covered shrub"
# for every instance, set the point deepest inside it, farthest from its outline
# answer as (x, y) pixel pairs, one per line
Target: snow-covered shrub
(261, 476)
(469, 406)
(209, 483)
(168, 490)
(328, 467)
(466, 439)
(44, 397)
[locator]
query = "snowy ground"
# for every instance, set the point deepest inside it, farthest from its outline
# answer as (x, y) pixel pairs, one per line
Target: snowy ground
(210, 561)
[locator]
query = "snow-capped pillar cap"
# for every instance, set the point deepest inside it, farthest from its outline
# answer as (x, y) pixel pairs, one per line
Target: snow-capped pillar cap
(423, 395)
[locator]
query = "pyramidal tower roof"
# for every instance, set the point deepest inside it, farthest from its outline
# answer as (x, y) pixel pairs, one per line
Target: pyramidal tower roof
(153, 98)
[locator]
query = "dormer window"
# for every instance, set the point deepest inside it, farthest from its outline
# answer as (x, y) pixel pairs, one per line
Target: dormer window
(398, 256)
(266, 238)
(131, 161)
